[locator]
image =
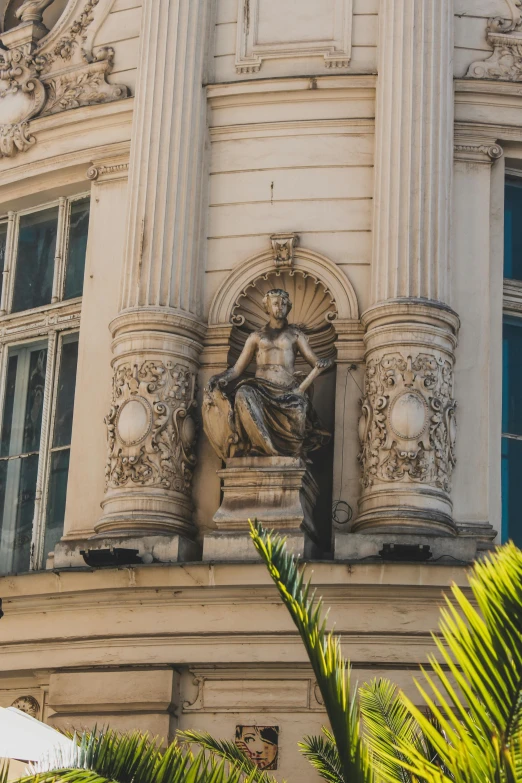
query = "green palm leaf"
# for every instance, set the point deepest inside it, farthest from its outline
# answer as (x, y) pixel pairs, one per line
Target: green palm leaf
(322, 754)
(474, 689)
(228, 751)
(389, 723)
(109, 757)
(324, 651)
(4, 770)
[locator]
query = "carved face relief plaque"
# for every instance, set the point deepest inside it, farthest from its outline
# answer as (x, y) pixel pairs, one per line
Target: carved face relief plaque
(151, 430)
(260, 743)
(408, 425)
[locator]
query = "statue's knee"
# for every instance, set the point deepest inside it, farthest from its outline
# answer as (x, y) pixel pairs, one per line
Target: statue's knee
(244, 394)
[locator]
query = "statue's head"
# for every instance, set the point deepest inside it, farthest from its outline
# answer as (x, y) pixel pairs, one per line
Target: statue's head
(277, 303)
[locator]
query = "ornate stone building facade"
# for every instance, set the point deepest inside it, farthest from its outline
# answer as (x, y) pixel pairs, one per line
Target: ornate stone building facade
(164, 165)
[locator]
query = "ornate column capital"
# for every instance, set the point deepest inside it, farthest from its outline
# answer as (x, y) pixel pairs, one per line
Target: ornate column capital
(475, 147)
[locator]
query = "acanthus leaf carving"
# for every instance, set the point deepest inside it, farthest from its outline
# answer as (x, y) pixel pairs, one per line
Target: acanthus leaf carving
(408, 425)
(151, 430)
(37, 79)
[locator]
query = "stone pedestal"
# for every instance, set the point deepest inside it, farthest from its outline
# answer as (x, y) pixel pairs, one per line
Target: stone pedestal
(133, 549)
(278, 491)
(407, 549)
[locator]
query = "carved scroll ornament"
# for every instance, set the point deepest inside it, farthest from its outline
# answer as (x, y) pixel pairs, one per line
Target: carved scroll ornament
(408, 425)
(505, 36)
(151, 431)
(37, 79)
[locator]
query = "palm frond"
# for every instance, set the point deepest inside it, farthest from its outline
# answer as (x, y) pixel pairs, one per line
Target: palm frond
(474, 689)
(389, 723)
(109, 757)
(4, 770)
(228, 751)
(324, 651)
(322, 754)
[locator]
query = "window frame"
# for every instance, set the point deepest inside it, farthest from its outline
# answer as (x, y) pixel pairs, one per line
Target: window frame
(53, 324)
(61, 253)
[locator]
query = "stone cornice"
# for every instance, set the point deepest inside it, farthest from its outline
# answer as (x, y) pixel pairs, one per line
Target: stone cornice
(221, 579)
(71, 139)
(247, 89)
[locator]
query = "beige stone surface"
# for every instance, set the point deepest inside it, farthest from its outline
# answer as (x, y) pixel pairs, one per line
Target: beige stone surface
(221, 160)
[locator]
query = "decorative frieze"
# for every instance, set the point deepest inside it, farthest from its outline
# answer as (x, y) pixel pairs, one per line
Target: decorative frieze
(49, 77)
(150, 427)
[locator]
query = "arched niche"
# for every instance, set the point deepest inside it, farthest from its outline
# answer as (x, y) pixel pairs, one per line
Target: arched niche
(305, 263)
(325, 305)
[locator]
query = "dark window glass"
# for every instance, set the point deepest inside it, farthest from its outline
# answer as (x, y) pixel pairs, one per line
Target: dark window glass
(56, 498)
(79, 228)
(513, 230)
(59, 470)
(21, 431)
(512, 377)
(9, 405)
(35, 260)
(3, 245)
(512, 430)
(65, 394)
(35, 400)
(512, 490)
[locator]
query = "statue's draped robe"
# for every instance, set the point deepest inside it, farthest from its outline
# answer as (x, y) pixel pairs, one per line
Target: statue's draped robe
(275, 421)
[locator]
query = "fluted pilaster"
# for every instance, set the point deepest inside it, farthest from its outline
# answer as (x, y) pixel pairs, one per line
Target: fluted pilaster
(158, 335)
(414, 150)
(408, 427)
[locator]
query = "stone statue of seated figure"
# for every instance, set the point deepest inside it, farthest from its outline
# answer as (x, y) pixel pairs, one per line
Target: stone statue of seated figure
(270, 415)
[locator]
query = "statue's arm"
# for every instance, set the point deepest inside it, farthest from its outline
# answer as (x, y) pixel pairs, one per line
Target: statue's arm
(247, 354)
(305, 349)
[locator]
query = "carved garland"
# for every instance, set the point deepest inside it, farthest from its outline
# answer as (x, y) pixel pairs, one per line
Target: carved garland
(408, 425)
(151, 431)
(35, 82)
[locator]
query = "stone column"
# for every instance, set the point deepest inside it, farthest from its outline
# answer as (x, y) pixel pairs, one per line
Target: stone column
(407, 428)
(157, 337)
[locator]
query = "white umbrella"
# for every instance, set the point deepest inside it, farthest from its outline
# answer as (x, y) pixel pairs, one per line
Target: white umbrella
(27, 739)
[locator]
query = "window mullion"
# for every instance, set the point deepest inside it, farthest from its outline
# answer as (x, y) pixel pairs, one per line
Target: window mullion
(61, 250)
(43, 462)
(13, 221)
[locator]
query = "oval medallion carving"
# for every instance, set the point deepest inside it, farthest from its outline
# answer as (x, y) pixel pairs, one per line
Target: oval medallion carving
(409, 415)
(134, 421)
